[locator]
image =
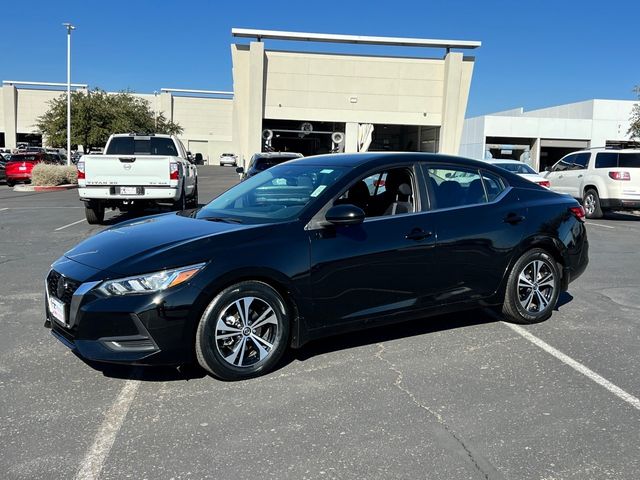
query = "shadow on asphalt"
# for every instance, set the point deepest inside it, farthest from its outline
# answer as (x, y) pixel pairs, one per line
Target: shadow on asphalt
(621, 216)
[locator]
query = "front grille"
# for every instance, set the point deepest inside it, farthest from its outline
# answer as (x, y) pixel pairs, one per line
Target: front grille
(70, 286)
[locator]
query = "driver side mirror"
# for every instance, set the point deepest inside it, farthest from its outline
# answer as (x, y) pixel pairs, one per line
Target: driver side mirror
(198, 159)
(345, 214)
(240, 170)
(549, 168)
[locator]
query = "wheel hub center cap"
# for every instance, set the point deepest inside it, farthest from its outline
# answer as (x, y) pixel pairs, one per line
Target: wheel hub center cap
(246, 331)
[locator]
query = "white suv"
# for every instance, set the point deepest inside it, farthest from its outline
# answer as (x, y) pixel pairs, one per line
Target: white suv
(601, 179)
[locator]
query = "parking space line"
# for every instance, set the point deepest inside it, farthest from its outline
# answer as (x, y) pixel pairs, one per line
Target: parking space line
(3, 209)
(627, 397)
(599, 225)
(94, 459)
(69, 225)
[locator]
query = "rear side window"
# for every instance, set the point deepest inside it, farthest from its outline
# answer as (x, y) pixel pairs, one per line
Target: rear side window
(456, 187)
(606, 160)
(142, 146)
(493, 185)
(629, 160)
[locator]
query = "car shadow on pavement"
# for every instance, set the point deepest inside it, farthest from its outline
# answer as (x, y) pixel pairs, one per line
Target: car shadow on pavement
(621, 216)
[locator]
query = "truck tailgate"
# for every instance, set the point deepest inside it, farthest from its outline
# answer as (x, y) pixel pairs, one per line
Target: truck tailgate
(140, 170)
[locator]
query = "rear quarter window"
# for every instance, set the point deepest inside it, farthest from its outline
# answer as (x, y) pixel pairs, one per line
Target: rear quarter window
(629, 160)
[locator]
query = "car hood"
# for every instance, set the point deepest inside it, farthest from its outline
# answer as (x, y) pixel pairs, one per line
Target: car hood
(152, 243)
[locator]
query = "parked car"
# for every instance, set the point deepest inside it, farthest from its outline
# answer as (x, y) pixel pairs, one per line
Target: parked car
(261, 161)
(522, 169)
(302, 250)
(135, 171)
(3, 161)
(603, 180)
(228, 159)
(19, 167)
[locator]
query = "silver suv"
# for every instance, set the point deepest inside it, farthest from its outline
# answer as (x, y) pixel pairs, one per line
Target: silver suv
(601, 179)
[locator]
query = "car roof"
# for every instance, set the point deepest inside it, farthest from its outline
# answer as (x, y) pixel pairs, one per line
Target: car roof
(612, 150)
(157, 135)
(376, 158)
(502, 161)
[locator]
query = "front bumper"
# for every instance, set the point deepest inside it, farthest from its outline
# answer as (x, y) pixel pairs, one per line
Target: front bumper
(148, 329)
(108, 193)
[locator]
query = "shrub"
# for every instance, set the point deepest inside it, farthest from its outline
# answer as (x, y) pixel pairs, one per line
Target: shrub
(51, 175)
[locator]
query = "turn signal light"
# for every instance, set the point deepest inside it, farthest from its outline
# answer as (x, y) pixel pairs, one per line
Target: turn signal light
(174, 172)
(80, 168)
(544, 183)
(620, 175)
(578, 212)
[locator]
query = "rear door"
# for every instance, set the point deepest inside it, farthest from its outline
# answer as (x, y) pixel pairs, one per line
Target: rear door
(132, 160)
(480, 222)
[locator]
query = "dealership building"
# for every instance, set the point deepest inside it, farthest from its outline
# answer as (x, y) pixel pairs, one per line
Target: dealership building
(541, 137)
(297, 100)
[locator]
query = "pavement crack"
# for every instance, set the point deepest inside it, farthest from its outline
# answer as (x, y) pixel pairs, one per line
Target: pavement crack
(479, 463)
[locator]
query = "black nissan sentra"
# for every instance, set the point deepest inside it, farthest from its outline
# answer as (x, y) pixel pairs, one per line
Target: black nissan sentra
(316, 247)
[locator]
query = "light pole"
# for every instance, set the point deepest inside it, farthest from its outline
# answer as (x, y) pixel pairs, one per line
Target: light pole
(69, 27)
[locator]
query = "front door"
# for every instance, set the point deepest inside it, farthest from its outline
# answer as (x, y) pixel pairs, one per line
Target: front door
(378, 268)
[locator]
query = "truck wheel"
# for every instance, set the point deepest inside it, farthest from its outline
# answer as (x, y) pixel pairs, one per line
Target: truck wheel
(11, 183)
(591, 203)
(193, 200)
(94, 213)
(181, 202)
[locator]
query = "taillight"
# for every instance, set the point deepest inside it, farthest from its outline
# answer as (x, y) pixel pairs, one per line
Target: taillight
(544, 183)
(80, 167)
(578, 212)
(174, 172)
(620, 175)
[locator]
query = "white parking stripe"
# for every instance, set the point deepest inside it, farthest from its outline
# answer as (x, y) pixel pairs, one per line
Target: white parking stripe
(93, 461)
(627, 397)
(69, 225)
(3, 209)
(599, 225)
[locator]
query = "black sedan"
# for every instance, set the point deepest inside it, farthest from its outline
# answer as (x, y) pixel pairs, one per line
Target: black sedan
(315, 247)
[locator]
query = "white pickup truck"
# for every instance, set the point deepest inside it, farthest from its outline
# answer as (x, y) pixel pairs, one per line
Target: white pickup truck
(135, 171)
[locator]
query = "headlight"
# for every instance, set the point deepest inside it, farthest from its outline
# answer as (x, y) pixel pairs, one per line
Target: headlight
(150, 282)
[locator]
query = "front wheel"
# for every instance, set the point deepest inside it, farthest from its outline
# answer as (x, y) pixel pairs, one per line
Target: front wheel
(243, 332)
(533, 288)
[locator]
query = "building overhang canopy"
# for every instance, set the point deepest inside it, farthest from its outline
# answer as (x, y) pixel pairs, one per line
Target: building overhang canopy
(354, 39)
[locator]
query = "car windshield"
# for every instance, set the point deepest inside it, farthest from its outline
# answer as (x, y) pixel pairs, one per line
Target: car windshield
(516, 167)
(275, 195)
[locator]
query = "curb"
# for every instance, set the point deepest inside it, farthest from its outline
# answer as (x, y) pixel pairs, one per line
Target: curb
(32, 188)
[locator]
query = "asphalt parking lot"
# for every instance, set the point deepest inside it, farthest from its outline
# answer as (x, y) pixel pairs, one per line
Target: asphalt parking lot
(460, 396)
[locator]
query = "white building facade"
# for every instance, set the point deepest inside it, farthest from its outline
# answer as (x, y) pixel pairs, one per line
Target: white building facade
(541, 137)
(297, 100)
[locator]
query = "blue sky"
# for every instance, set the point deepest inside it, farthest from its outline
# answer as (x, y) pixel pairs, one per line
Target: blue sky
(534, 54)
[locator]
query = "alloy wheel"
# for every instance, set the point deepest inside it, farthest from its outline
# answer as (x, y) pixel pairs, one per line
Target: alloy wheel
(589, 204)
(536, 286)
(246, 332)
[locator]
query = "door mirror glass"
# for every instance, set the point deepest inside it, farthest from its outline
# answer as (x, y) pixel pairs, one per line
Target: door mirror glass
(345, 214)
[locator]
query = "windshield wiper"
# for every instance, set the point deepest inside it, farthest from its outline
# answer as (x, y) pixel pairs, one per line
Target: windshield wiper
(223, 219)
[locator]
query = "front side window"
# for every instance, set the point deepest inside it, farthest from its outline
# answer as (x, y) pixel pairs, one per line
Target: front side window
(387, 192)
(275, 195)
(581, 161)
(564, 164)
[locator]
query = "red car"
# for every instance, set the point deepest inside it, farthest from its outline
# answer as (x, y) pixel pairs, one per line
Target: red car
(18, 169)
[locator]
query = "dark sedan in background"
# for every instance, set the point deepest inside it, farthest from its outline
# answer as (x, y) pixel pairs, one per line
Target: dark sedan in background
(262, 161)
(315, 247)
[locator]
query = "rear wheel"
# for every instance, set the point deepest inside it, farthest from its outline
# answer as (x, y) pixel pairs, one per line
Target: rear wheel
(193, 199)
(591, 203)
(243, 332)
(11, 183)
(181, 202)
(532, 288)
(94, 213)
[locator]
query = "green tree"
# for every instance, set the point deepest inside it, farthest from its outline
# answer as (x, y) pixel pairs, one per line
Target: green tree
(634, 129)
(97, 114)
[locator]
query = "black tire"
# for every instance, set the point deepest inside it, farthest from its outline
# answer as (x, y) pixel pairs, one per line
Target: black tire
(11, 183)
(181, 202)
(591, 203)
(94, 212)
(534, 309)
(211, 350)
(193, 199)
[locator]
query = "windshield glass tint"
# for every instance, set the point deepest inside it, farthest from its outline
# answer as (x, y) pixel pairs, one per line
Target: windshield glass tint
(516, 167)
(275, 195)
(142, 146)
